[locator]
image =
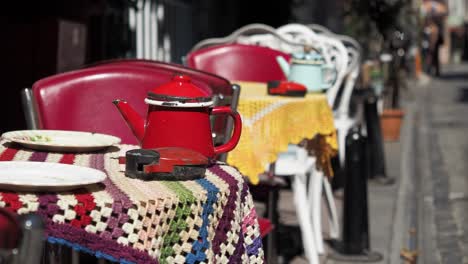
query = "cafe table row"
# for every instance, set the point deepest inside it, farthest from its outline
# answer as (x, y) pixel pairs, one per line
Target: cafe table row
(211, 219)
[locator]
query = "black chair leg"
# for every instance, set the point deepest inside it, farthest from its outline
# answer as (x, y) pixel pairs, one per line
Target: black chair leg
(272, 215)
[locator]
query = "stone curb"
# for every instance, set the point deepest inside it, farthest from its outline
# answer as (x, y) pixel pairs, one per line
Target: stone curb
(401, 219)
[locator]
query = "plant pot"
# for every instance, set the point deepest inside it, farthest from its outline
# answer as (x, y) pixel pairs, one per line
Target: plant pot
(390, 121)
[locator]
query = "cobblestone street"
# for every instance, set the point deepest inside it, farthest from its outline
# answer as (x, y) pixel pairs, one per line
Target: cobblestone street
(443, 108)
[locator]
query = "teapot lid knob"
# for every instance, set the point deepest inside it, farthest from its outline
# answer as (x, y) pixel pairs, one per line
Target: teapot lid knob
(181, 78)
(308, 48)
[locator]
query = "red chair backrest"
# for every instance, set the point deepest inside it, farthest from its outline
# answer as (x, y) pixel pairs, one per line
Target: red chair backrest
(239, 62)
(217, 83)
(82, 100)
(10, 232)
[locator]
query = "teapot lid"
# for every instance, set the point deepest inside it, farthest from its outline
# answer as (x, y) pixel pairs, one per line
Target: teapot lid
(180, 92)
(308, 58)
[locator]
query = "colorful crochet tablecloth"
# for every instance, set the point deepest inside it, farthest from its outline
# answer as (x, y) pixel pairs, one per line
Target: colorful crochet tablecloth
(270, 123)
(209, 220)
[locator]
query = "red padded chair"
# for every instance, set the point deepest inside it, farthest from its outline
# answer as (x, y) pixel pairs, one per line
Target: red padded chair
(82, 100)
(21, 237)
(232, 61)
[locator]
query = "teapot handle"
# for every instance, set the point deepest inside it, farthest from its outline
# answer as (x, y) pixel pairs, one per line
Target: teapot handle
(232, 143)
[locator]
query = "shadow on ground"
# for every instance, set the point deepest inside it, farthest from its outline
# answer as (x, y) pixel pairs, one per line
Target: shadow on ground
(463, 94)
(290, 242)
(451, 76)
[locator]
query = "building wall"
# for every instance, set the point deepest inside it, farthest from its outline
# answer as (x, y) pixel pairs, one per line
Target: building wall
(42, 38)
(327, 13)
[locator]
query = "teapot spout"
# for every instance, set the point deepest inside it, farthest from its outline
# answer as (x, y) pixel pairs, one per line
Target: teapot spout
(284, 65)
(133, 119)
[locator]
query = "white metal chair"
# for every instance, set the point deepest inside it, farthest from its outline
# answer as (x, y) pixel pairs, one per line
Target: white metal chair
(332, 49)
(280, 41)
(320, 29)
(333, 52)
(253, 34)
(343, 119)
(297, 163)
(345, 53)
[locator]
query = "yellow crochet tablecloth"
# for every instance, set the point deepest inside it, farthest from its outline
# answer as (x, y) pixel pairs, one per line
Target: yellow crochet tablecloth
(270, 123)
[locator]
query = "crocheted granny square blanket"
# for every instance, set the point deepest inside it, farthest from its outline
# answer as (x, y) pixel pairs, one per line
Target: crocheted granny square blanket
(208, 220)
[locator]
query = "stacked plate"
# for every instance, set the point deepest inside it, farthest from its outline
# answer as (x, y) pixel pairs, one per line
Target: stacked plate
(47, 176)
(60, 140)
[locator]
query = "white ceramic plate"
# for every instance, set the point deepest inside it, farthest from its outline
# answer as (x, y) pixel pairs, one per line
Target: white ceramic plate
(46, 176)
(60, 140)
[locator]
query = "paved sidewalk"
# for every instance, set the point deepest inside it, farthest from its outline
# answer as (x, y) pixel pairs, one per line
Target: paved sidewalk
(444, 193)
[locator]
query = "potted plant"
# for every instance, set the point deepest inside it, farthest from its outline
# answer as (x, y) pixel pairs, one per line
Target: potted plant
(392, 113)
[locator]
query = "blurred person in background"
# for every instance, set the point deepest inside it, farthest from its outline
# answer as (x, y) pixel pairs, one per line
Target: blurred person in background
(434, 36)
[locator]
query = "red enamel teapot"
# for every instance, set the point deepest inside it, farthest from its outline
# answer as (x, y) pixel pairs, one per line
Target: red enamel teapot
(179, 116)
